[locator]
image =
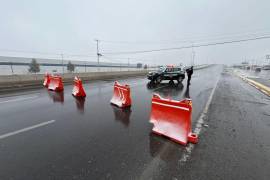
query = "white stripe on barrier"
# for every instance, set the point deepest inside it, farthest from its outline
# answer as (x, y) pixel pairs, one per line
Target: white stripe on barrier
(122, 94)
(121, 88)
(168, 105)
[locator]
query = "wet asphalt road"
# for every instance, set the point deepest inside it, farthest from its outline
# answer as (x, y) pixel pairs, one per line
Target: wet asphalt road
(93, 140)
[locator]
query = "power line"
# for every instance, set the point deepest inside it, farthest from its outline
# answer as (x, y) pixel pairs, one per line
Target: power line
(121, 59)
(80, 55)
(136, 52)
(111, 59)
(187, 47)
(192, 39)
(131, 58)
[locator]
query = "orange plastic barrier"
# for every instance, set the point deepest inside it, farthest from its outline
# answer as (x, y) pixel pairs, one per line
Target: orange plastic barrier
(173, 119)
(121, 95)
(46, 80)
(56, 83)
(78, 90)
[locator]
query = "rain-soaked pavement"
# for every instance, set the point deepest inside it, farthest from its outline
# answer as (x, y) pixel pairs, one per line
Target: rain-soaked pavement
(262, 76)
(91, 139)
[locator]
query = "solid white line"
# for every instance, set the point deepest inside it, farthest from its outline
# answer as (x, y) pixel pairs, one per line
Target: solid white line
(18, 99)
(183, 108)
(198, 126)
(26, 129)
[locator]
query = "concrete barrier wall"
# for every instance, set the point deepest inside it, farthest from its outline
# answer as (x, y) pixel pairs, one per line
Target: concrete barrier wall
(20, 80)
(36, 80)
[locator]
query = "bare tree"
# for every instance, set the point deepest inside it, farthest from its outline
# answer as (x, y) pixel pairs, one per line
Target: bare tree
(145, 66)
(34, 66)
(70, 67)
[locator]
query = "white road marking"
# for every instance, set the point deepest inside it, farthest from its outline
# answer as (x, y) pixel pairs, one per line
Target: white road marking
(18, 99)
(152, 166)
(198, 126)
(25, 129)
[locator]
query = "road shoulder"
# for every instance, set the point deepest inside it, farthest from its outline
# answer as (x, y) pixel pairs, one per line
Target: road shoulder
(235, 144)
(262, 85)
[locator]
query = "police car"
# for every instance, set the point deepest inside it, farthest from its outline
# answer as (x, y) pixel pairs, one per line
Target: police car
(167, 73)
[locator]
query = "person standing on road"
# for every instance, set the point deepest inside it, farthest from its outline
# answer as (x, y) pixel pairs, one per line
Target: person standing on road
(189, 74)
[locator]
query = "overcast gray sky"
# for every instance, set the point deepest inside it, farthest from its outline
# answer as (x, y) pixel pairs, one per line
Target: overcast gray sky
(70, 27)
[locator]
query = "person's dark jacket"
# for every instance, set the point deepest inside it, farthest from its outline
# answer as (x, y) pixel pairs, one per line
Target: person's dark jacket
(189, 71)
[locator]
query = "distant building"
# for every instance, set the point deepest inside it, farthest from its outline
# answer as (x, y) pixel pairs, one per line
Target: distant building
(245, 63)
(139, 65)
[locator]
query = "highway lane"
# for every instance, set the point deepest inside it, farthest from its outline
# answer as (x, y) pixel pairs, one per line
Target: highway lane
(91, 138)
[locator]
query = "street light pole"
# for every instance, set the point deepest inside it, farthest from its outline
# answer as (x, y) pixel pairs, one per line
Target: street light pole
(193, 55)
(128, 64)
(11, 66)
(98, 54)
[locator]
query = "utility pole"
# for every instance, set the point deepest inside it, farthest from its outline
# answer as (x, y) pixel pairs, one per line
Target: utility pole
(62, 56)
(98, 54)
(268, 58)
(193, 56)
(11, 66)
(128, 64)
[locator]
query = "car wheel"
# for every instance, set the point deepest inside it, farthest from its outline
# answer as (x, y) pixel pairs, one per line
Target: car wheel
(180, 79)
(171, 82)
(158, 79)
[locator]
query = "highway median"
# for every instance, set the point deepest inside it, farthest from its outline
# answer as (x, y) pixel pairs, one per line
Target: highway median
(32, 81)
(9, 83)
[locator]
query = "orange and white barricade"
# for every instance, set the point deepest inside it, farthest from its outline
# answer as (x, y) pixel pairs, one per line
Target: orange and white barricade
(78, 90)
(172, 119)
(121, 95)
(46, 80)
(56, 83)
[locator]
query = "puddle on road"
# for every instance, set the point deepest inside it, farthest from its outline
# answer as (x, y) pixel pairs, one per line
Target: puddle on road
(122, 115)
(168, 90)
(57, 97)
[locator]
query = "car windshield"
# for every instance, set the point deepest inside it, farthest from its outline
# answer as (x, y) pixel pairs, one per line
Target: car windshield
(161, 69)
